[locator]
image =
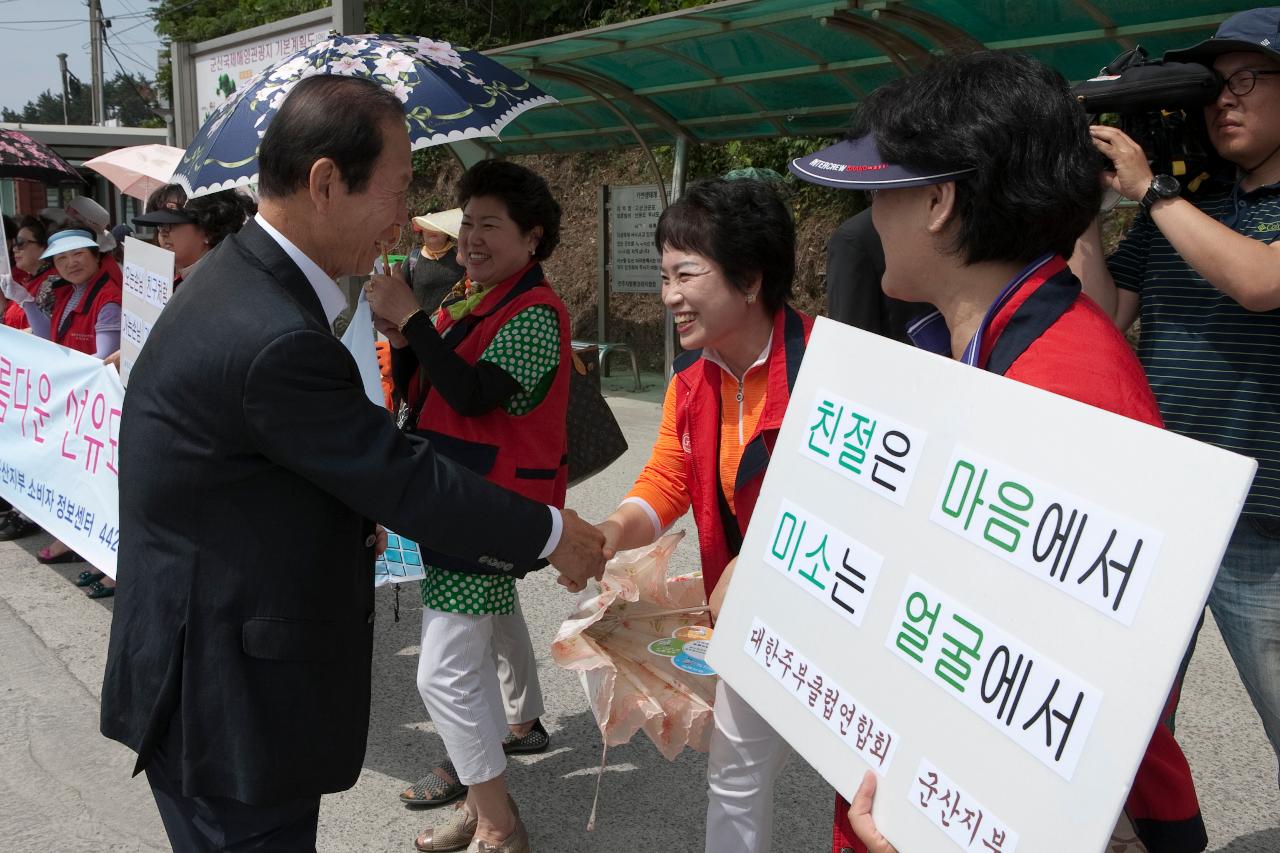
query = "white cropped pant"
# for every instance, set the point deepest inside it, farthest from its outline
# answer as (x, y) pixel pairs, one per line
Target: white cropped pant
(746, 757)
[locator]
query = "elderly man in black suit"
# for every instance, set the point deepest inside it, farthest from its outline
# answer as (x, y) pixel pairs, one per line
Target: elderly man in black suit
(252, 469)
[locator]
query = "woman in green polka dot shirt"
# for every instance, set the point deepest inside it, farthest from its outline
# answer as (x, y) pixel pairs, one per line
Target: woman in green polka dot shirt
(489, 380)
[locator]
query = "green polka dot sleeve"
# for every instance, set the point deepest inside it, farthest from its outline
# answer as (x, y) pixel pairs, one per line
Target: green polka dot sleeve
(528, 348)
(476, 595)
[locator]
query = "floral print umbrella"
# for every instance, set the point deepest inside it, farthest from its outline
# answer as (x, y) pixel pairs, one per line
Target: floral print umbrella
(608, 638)
(448, 94)
(625, 638)
(23, 157)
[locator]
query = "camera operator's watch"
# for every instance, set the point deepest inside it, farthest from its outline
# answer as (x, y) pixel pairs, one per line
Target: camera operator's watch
(1162, 187)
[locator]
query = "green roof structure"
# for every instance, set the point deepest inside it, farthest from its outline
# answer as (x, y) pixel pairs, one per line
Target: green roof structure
(743, 69)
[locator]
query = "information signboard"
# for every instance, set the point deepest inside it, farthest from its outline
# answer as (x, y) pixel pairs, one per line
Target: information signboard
(633, 259)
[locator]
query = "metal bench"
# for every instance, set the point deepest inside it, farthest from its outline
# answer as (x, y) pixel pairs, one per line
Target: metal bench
(606, 347)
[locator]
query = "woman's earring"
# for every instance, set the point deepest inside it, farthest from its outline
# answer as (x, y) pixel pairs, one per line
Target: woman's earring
(751, 298)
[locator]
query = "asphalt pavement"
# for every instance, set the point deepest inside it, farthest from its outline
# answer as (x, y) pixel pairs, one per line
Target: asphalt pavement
(64, 787)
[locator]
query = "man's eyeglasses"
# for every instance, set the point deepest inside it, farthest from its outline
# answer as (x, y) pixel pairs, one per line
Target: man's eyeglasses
(1242, 82)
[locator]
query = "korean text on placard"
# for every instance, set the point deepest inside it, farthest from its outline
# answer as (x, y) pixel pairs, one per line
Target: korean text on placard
(1027, 696)
(855, 724)
(964, 820)
(829, 565)
(876, 451)
(1094, 555)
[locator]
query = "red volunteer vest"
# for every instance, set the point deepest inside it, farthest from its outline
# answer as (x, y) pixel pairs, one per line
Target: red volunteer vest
(524, 453)
(75, 330)
(14, 316)
(698, 419)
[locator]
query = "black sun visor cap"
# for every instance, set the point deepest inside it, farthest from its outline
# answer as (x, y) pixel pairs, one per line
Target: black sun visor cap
(165, 216)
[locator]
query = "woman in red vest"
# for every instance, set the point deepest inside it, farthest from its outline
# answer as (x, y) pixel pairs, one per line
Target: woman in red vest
(86, 299)
(495, 369)
(728, 258)
(978, 220)
(30, 270)
(85, 318)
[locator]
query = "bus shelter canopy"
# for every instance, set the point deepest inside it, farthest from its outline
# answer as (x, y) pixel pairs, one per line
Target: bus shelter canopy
(743, 69)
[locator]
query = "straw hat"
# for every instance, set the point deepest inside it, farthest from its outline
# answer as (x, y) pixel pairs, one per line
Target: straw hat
(444, 221)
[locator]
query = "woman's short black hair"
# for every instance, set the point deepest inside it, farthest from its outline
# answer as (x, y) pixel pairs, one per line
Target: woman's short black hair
(325, 116)
(525, 194)
(220, 214)
(1012, 119)
(169, 194)
(10, 227)
(743, 226)
(36, 226)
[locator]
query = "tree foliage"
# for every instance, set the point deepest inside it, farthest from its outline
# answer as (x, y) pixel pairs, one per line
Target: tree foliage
(478, 24)
(127, 99)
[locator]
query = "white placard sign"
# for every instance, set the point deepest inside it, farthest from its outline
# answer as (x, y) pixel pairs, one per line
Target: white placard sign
(148, 287)
(633, 259)
(1030, 572)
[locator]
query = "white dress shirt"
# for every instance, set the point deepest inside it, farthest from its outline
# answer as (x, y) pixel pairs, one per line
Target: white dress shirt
(333, 301)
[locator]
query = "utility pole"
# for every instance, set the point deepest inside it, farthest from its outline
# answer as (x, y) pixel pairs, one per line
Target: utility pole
(95, 60)
(62, 66)
(163, 108)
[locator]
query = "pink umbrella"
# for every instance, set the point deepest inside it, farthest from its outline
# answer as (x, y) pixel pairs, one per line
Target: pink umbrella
(23, 157)
(139, 170)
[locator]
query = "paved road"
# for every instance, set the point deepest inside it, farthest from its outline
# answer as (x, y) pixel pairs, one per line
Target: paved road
(64, 787)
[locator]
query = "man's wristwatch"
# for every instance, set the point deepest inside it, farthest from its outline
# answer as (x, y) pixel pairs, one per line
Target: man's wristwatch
(1162, 187)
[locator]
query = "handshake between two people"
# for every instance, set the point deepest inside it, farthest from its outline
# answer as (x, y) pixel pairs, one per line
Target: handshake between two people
(579, 557)
(582, 552)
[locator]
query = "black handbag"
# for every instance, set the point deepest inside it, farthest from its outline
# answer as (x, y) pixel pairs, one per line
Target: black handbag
(595, 440)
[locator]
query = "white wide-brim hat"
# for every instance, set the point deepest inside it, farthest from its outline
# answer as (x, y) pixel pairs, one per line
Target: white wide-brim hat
(445, 221)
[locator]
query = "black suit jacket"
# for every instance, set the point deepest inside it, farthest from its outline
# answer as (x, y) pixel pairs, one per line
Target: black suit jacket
(855, 265)
(251, 465)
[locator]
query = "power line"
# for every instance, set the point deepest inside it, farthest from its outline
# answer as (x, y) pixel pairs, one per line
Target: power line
(125, 74)
(20, 29)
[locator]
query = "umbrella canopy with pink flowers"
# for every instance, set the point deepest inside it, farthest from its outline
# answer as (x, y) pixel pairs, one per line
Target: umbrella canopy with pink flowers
(23, 157)
(638, 641)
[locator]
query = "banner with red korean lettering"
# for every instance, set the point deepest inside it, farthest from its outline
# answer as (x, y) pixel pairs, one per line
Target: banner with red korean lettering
(59, 438)
(978, 590)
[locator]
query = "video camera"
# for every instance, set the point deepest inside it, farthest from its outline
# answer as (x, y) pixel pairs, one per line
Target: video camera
(1159, 105)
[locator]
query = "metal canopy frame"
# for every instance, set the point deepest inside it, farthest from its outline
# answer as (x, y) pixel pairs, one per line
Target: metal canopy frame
(742, 69)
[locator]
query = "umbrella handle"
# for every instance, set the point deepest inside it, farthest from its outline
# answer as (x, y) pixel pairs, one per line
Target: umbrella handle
(591, 821)
(681, 612)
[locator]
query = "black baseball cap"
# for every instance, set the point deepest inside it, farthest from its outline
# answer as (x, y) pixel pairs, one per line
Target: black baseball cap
(1254, 31)
(856, 164)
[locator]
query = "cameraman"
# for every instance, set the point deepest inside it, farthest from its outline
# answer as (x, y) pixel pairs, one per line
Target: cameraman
(1203, 274)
